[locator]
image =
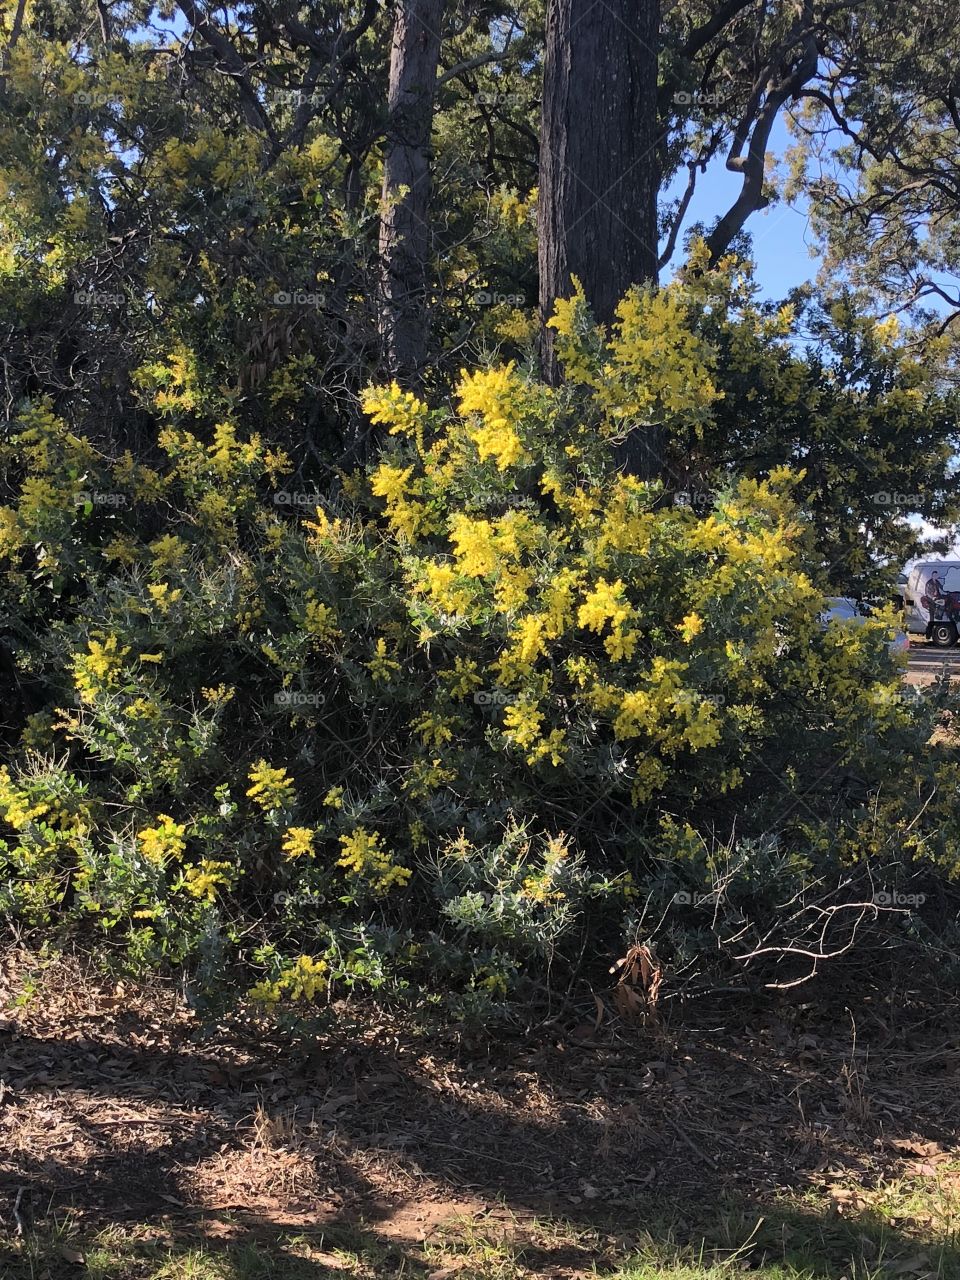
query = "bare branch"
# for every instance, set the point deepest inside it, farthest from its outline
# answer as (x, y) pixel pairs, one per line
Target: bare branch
(469, 64)
(680, 215)
(757, 124)
(701, 36)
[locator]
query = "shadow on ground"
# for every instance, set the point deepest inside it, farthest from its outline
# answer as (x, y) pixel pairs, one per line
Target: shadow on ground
(733, 1240)
(115, 1119)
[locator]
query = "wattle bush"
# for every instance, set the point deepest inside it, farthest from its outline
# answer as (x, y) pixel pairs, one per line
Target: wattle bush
(481, 714)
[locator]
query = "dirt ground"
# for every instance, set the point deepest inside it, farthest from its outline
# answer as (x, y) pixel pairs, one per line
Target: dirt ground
(926, 663)
(111, 1107)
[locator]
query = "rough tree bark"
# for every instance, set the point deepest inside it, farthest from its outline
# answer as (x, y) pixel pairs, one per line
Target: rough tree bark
(598, 171)
(405, 210)
(598, 166)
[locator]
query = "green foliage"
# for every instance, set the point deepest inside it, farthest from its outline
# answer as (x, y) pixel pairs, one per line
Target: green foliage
(209, 246)
(205, 250)
(445, 734)
(858, 412)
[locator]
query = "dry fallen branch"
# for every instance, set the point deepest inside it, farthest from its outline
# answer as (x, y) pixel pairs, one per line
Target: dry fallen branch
(820, 951)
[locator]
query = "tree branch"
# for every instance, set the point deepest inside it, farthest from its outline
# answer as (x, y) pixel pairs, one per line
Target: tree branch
(469, 64)
(15, 30)
(232, 64)
(701, 36)
(751, 166)
(680, 215)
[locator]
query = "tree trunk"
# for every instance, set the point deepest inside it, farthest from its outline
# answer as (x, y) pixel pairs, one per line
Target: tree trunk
(598, 166)
(598, 171)
(405, 207)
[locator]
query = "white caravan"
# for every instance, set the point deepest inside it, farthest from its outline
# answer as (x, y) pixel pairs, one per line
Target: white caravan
(931, 596)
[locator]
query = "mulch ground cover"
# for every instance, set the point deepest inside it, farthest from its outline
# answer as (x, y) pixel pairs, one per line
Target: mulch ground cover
(112, 1105)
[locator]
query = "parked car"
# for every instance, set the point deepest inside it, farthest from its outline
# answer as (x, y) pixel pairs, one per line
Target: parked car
(846, 609)
(942, 606)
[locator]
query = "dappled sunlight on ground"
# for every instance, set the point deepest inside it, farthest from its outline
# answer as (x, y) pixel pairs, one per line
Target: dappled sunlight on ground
(114, 1111)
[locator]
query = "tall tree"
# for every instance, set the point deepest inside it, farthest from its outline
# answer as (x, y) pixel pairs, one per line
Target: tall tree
(878, 159)
(404, 220)
(598, 143)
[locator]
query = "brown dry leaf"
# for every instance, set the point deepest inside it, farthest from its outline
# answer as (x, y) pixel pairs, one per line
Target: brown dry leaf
(638, 986)
(914, 1147)
(217, 1229)
(845, 1198)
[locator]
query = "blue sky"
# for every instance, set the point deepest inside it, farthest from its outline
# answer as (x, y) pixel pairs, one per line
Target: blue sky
(781, 236)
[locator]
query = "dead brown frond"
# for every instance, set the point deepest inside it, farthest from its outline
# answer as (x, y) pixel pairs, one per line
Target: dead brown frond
(638, 984)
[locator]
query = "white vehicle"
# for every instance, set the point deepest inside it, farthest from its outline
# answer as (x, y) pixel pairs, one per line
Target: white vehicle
(931, 597)
(846, 609)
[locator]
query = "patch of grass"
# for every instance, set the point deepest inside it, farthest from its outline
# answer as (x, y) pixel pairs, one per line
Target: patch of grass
(907, 1230)
(116, 1253)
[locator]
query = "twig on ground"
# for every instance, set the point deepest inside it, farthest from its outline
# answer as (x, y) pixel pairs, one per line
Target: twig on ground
(690, 1143)
(18, 1219)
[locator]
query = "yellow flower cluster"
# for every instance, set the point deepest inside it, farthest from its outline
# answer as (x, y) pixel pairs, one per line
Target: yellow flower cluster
(173, 384)
(496, 396)
(163, 841)
(218, 695)
(690, 627)
(364, 857)
(320, 620)
(522, 724)
(426, 776)
(203, 881)
(270, 788)
(484, 548)
(605, 604)
(514, 210)
(381, 666)
(518, 326)
(11, 535)
(15, 805)
(406, 515)
(163, 596)
(396, 409)
(146, 484)
(168, 553)
(142, 709)
(462, 678)
(475, 545)
(304, 980)
(99, 668)
(297, 842)
(434, 730)
(654, 367)
(578, 339)
(666, 711)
